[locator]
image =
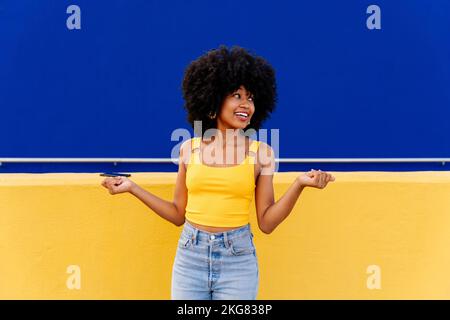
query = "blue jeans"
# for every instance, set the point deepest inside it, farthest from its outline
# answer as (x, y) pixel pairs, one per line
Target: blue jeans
(215, 266)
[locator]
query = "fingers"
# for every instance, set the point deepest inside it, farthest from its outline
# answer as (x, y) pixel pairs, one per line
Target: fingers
(320, 178)
(111, 183)
(106, 182)
(118, 181)
(330, 177)
(116, 185)
(327, 178)
(310, 174)
(317, 177)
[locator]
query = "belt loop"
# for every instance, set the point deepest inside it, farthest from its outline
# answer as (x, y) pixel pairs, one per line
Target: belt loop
(195, 237)
(225, 239)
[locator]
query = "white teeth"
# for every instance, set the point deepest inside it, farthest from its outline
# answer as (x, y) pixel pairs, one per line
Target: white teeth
(241, 114)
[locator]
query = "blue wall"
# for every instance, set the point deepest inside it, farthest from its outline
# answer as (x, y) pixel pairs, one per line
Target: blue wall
(113, 88)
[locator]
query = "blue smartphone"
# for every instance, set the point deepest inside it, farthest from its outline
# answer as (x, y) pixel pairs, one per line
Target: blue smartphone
(115, 174)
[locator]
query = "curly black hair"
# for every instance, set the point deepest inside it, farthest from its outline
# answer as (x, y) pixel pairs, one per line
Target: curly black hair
(209, 79)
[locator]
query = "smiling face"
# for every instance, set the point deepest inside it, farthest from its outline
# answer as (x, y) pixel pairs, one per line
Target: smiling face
(237, 110)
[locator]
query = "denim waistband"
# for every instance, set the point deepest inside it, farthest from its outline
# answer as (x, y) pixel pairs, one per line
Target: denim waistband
(198, 235)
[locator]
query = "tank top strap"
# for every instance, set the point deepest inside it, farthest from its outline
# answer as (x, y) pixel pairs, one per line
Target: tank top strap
(254, 146)
(195, 144)
(253, 149)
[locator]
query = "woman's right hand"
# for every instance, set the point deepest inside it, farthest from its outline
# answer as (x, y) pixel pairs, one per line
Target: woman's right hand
(117, 185)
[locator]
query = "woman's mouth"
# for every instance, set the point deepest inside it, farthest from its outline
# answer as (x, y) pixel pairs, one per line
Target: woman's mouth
(242, 116)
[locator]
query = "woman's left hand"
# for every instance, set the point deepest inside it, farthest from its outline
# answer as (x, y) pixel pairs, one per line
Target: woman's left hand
(315, 178)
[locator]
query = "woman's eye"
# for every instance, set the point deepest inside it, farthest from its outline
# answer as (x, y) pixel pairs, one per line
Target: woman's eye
(250, 98)
(237, 94)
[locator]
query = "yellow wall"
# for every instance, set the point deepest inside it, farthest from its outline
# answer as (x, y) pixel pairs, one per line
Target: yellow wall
(399, 222)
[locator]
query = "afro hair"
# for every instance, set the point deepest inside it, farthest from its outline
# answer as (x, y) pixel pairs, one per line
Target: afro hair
(219, 72)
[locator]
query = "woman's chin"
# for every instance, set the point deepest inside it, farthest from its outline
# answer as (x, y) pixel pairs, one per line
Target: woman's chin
(240, 125)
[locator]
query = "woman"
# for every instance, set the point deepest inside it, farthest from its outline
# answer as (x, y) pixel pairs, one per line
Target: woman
(228, 90)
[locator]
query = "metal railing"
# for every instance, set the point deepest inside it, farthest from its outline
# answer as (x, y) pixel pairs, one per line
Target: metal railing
(170, 160)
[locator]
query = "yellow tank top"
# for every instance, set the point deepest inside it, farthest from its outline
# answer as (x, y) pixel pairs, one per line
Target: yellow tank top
(220, 196)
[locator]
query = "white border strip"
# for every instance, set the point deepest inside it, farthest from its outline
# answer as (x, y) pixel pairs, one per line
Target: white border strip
(169, 160)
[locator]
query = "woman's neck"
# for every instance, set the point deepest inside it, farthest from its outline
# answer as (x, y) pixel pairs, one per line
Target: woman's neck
(228, 137)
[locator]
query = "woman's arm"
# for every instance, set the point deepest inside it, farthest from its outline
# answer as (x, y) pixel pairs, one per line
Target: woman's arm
(172, 211)
(270, 213)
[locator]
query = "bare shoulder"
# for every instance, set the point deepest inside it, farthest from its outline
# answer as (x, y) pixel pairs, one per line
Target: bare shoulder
(187, 144)
(266, 158)
(265, 150)
(185, 151)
